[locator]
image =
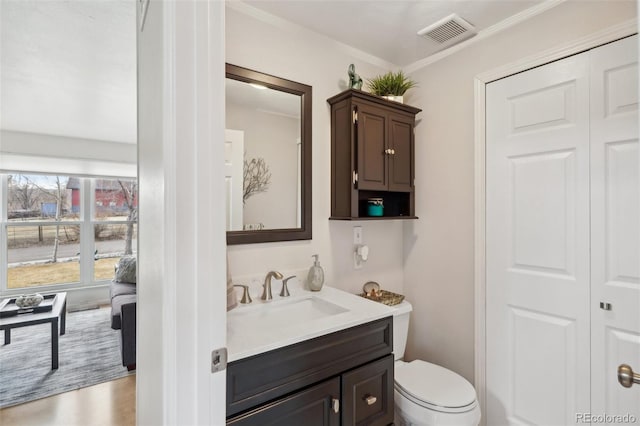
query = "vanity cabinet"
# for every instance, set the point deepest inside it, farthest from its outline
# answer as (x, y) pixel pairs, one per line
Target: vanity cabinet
(343, 378)
(372, 156)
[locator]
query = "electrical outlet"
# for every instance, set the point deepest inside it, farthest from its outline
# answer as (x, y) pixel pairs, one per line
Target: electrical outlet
(357, 235)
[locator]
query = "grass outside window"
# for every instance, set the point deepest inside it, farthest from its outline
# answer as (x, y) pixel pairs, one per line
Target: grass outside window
(56, 273)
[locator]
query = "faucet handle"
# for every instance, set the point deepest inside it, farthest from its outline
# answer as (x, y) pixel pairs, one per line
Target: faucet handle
(246, 297)
(285, 290)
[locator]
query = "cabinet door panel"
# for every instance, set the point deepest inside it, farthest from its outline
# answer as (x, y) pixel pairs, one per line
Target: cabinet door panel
(372, 161)
(400, 159)
(367, 394)
(310, 407)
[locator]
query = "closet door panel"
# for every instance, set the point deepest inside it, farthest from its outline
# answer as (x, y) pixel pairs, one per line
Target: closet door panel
(538, 245)
(615, 225)
(564, 293)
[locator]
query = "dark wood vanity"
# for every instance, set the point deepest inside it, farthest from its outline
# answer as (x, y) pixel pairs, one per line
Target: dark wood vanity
(372, 156)
(342, 378)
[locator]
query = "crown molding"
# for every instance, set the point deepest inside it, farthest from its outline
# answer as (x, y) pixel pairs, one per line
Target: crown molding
(607, 35)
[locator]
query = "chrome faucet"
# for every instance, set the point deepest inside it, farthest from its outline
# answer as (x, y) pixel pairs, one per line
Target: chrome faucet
(266, 293)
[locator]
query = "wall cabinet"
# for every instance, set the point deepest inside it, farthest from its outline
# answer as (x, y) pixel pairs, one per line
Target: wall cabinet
(343, 378)
(372, 156)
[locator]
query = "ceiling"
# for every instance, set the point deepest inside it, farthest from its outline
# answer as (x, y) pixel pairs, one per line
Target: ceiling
(387, 28)
(69, 67)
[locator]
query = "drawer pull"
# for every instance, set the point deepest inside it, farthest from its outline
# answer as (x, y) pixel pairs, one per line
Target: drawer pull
(370, 399)
(336, 405)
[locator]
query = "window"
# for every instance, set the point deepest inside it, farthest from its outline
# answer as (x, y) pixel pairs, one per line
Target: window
(114, 223)
(63, 230)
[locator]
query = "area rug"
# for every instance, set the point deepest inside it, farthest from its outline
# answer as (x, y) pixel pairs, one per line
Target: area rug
(89, 353)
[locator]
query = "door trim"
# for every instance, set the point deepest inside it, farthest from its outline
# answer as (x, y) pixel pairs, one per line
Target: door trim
(607, 35)
(180, 74)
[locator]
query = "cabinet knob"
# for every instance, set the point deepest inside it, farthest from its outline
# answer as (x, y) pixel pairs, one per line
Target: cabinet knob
(387, 151)
(393, 151)
(336, 405)
(370, 399)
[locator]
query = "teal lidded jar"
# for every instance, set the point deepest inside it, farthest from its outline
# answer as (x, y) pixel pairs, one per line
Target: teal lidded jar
(375, 207)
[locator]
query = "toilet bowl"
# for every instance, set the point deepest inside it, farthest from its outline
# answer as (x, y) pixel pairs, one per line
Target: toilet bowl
(427, 394)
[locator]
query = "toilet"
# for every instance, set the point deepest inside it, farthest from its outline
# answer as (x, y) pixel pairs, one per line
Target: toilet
(426, 394)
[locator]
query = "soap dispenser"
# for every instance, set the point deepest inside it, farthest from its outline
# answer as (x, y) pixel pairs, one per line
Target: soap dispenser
(315, 279)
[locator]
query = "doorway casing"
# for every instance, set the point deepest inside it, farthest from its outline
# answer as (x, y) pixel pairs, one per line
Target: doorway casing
(181, 255)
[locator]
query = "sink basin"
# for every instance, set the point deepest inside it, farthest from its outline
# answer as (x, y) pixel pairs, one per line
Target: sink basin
(264, 326)
(289, 312)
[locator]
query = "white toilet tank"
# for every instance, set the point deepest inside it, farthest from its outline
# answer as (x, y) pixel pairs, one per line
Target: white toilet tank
(401, 316)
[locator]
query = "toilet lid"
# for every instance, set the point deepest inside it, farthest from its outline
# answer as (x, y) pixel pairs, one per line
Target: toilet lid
(434, 385)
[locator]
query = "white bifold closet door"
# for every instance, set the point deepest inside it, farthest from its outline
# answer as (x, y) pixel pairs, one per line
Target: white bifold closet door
(615, 226)
(562, 236)
(538, 333)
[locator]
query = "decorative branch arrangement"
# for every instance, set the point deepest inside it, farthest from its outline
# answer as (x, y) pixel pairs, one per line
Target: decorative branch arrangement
(256, 179)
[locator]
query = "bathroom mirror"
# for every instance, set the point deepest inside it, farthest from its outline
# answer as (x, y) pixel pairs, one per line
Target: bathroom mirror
(267, 157)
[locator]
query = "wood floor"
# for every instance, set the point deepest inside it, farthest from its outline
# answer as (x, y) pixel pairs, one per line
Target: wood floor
(107, 404)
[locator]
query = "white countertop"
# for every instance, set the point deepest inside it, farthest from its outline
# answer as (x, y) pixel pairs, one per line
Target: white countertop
(263, 326)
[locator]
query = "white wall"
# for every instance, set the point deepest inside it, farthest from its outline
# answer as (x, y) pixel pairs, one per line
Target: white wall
(274, 138)
(297, 54)
(439, 254)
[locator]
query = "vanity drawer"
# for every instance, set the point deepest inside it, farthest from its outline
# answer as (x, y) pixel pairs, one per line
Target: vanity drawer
(255, 380)
(367, 394)
(315, 406)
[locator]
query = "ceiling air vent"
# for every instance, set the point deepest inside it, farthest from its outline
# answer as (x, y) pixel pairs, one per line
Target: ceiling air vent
(448, 29)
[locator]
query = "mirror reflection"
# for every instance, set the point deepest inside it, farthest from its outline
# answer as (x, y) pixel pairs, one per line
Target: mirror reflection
(262, 157)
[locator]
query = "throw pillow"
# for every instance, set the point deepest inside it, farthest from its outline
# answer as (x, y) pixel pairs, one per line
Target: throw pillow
(126, 270)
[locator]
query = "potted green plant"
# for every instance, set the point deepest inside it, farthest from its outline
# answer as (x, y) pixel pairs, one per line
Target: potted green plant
(391, 85)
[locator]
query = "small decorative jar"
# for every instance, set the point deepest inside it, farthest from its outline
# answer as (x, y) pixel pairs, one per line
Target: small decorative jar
(375, 207)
